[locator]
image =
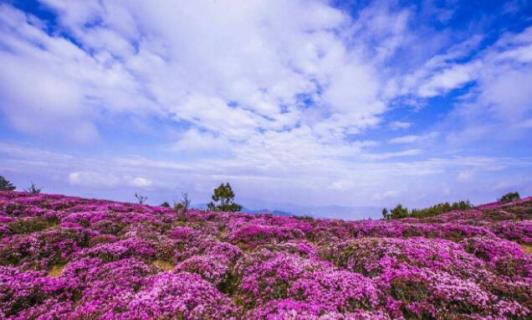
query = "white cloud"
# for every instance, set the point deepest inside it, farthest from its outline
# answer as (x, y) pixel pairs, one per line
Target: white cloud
(405, 139)
(100, 179)
(501, 102)
(194, 141)
(386, 195)
(414, 138)
(400, 125)
(506, 92)
(287, 179)
(391, 155)
(231, 70)
(273, 95)
(141, 182)
(92, 179)
(465, 176)
(448, 79)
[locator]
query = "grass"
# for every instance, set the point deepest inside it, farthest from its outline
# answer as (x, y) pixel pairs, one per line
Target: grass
(164, 265)
(527, 248)
(56, 270)
(29, 225)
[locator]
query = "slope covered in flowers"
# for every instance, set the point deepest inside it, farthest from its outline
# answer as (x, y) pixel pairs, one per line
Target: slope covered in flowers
(72, 258)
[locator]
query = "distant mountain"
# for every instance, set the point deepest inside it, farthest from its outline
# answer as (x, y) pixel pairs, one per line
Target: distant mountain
(275, 212)
(329, 211)
(269, 211)
(326, 211)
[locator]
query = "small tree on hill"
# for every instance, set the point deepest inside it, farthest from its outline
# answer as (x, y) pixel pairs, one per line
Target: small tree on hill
(33, 189)
(399, 212)
(223, 199)
(509, 197)
(5, 185)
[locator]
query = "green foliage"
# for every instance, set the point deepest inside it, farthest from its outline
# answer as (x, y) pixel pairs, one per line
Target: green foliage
(29, 225)
(400, 212)
(509, 197)
(409, 290)
(223, 199)
(5, 185)
(440, 208)
(33, 189)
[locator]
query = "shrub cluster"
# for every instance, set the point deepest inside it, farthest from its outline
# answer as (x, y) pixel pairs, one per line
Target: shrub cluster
(401, 212)
(71, 258)
(509, 197)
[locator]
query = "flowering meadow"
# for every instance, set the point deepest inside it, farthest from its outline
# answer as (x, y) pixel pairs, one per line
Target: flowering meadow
(72, 258)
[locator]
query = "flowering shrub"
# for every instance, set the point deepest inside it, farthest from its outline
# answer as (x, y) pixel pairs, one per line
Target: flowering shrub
(267, 275)
(421, 293)
(374, 256)
(72, 258)
(254, 234)
(213, 268)
(337, 290)
(179, 296)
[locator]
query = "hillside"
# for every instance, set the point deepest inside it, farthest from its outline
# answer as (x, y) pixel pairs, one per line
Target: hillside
(72, 258)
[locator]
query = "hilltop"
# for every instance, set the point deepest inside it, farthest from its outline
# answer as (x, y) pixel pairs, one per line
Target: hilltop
(75, 258)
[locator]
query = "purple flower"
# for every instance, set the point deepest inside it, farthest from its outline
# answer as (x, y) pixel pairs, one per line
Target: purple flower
(72, 258)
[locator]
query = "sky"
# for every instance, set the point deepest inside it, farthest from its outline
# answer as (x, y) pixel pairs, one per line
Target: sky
(321, 107)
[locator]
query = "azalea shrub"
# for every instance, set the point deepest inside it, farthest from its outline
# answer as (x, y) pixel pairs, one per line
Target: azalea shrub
(72, 258)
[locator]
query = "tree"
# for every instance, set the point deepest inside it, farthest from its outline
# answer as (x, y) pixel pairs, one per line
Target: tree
(399, 212)
(509, 197)
(140, 198)
(223, 199)
(385, 214)
(33, 189)
(165, 205)
(5, 185)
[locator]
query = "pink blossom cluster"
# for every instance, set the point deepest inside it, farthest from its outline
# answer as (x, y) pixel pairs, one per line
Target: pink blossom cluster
(72, 258)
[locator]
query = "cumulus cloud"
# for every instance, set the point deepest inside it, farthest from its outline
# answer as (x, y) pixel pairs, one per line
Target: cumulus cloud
(313, 183)
(234, 71)
(266, 92)
(500, 101)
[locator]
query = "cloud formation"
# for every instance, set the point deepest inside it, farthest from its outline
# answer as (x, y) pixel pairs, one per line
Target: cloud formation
(309, 94)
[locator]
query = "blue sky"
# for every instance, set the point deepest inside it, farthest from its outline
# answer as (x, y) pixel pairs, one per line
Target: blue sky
(298, 104)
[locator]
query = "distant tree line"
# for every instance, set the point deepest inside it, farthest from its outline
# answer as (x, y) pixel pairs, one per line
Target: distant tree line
(223, 199)
(400, 212)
